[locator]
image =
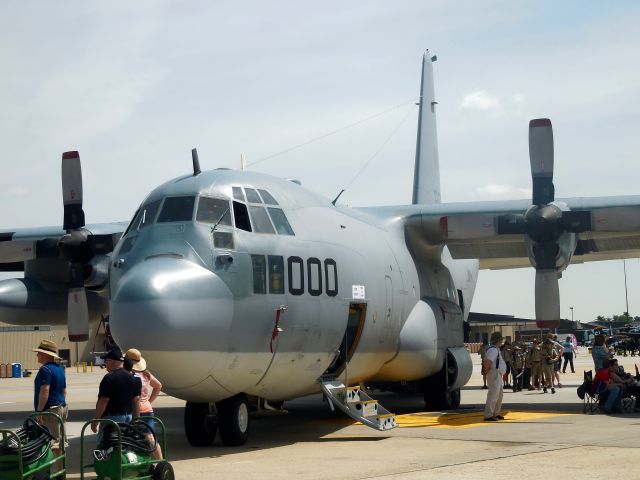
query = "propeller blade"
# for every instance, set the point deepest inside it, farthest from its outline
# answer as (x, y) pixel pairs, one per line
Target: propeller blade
(77, 315)
(72, 191)
(77, 309)
(541, 159)
(547, 295)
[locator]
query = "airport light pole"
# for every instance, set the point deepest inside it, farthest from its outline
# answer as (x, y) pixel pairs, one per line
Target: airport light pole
(571, 308)
(626, 296)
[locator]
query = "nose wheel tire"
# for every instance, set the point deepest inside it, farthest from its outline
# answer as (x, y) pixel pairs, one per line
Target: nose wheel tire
(233, 420)
(200, 424)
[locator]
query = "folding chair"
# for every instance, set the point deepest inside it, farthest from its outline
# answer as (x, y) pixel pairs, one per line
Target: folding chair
(591, 401)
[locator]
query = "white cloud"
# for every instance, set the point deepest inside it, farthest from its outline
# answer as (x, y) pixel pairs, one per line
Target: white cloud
(493, 191)
(480, 100)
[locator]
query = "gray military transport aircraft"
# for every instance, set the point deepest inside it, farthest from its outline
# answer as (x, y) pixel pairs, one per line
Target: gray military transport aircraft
(244, 290)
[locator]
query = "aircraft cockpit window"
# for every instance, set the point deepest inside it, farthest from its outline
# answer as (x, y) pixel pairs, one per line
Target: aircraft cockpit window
(268, 199)
(241, 216)
(252, 196)
(261, 220)
(177, 209)
(280, 221)
(145, 216)
(259, 273)
(237, 194)
(214, 210)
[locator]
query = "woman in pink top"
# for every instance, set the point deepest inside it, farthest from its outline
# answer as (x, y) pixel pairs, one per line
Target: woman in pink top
(151, 388)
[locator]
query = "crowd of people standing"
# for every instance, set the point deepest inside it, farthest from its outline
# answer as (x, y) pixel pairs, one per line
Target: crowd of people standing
(532, 366)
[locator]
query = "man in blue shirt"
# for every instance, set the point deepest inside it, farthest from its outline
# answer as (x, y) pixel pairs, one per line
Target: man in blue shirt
(50, 391)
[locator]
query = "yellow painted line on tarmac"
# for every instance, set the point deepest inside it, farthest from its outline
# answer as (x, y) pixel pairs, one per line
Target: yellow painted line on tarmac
(468, 420)
(460, 420)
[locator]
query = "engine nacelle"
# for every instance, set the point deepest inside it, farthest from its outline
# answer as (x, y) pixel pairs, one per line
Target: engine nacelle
(431, 328)
(24, 301)
(99, 274)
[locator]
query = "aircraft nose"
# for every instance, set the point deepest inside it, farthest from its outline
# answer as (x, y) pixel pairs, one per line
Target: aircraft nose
(177, 313)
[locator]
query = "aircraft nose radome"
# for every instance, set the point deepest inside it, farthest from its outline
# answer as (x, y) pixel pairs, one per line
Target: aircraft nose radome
(171, 309)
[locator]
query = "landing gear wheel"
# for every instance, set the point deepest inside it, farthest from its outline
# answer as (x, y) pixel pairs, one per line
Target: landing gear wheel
(163, 471)
(233, 420)
(436, 394)
(40, 476)
(199, 424)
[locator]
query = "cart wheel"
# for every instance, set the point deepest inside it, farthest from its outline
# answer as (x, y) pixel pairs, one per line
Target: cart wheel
(199, 424)
(163, 471)
(40, 476)
(233, 420)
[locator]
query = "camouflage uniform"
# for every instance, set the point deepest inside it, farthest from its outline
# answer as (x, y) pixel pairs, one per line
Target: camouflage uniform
(534, 358)
(518, 366)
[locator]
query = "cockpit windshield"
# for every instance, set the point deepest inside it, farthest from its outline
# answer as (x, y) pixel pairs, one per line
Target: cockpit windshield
(177, 209)
(214, 210)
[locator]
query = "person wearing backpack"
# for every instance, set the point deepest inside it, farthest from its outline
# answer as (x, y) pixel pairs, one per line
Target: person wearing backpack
(496, 367)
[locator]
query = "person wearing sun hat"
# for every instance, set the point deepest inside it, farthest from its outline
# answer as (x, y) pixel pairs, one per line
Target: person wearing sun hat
(496, 367)
(50, 391)
(151, 388)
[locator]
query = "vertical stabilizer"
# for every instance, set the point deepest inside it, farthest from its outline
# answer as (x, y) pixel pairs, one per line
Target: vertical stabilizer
(426, 176)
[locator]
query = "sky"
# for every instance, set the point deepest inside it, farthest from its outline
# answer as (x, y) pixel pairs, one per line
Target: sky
(133, 86)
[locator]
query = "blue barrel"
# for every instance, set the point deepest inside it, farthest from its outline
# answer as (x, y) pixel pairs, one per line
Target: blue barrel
(16, 370)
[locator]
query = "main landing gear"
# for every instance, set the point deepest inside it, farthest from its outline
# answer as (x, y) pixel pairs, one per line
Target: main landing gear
(437, 394)
(229, 416)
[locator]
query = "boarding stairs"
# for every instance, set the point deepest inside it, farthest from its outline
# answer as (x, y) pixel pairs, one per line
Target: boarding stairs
(355, 402)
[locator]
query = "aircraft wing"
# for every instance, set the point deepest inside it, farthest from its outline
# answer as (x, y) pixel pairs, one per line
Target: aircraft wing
(494, 232)
(31, 244)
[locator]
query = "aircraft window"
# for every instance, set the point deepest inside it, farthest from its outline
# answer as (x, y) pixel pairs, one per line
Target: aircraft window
(331, 276)
(296, 275)
(252, 195)
(268, 199)
(145, 216)
(314, 276)
(127, 244)
(133, 221)
(177, 209)
(237, 194)
(213, 210)
(276, 274)
(261, 220)
(149, 213)
(223, 240)
(241, 216)
(259, 274)
(280, 221)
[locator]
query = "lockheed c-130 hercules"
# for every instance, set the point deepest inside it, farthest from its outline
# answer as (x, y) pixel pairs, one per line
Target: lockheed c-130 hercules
(244, 290)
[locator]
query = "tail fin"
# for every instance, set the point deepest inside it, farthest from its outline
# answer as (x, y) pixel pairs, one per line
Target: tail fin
(426, 176)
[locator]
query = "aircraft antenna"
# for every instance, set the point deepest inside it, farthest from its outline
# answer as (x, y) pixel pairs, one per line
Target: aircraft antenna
(242, 162)
(336, 199)
(333, 132)
(196, 162)
(375, 154)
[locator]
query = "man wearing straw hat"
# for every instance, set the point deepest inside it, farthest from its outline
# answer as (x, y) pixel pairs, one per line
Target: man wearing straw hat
(50, 391)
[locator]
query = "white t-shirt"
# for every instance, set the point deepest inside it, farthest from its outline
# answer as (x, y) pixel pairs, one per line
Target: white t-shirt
(493, 353)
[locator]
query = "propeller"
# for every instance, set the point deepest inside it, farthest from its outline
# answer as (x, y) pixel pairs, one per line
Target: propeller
(78, 246)
(544, 223)
(71, 247)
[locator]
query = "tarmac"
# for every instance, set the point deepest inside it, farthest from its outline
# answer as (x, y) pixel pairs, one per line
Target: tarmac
(543, 434)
